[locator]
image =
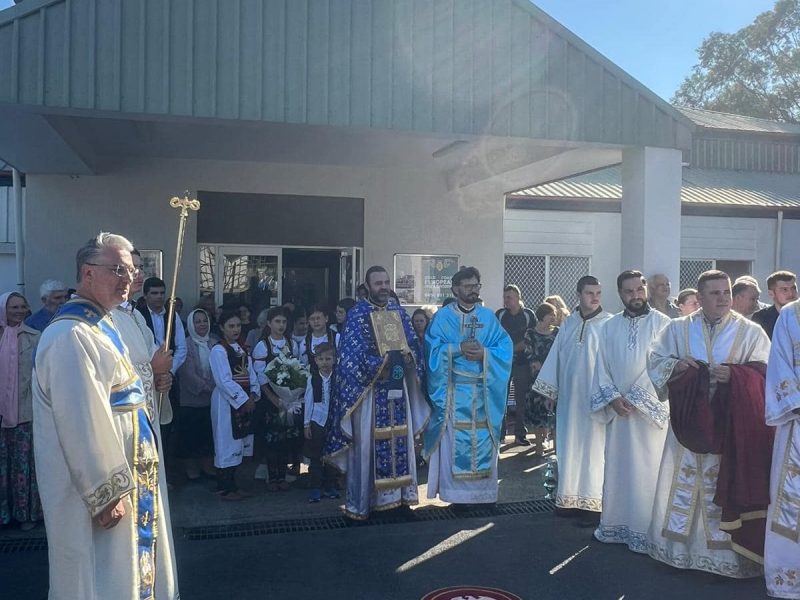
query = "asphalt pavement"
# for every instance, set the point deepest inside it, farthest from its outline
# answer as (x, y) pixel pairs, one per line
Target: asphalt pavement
(536, 556)
(276, 546)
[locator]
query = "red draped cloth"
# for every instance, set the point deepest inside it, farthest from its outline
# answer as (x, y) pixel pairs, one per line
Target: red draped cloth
(732, 425)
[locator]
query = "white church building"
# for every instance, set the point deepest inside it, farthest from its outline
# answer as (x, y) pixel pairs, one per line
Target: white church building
(740, 212)
(323, 136)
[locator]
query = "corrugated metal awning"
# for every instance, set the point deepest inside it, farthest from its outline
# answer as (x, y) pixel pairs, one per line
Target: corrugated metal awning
(712, 119)
(700, 186)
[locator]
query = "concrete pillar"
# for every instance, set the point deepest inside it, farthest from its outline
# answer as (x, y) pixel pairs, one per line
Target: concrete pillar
(651, 212)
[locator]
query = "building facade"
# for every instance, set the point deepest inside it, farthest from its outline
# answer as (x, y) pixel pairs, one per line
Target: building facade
(320, 136)
(740, 211)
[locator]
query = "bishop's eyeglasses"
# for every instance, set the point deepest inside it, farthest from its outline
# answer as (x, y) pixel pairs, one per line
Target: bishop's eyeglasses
(119, 270)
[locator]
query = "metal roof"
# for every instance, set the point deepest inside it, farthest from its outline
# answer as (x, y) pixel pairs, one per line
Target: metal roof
(700, 186)
(711, 119)
(479, 67)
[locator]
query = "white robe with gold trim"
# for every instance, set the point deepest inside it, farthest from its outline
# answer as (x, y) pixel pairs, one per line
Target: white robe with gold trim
(634, 443)
(566, 376)
(685, 529)
(782, 547)
(84, 452)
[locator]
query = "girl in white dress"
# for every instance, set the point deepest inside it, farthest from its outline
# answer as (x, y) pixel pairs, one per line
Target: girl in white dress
(232, 404)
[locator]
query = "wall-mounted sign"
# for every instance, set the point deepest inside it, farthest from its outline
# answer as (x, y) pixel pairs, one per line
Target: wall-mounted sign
(424, 278)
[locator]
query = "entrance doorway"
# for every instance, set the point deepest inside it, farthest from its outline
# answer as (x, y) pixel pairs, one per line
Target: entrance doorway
(260, 277)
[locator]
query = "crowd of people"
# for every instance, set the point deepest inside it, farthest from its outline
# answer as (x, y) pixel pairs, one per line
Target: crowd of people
(662, 416)
(666, 414)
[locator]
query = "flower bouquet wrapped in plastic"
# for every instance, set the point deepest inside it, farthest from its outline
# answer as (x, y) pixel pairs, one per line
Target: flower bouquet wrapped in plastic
(288, 378)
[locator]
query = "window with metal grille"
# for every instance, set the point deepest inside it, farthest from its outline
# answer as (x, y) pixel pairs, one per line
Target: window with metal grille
(539, 276)
(691, 270)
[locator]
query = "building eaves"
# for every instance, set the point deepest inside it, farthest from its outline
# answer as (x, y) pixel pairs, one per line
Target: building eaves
(710, 119)
(491, 68)
(713, 187)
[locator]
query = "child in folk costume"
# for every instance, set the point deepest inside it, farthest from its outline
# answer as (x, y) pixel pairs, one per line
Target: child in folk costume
(232, 404)
(272, 429)
(342, 307)
(322, 477)
(318, 332)
(298, 323)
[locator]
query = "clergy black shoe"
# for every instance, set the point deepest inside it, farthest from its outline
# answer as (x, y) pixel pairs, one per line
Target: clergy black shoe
(521, 441)
(566, 513)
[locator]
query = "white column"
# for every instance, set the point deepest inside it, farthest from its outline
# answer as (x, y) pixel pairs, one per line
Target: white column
(651, 212)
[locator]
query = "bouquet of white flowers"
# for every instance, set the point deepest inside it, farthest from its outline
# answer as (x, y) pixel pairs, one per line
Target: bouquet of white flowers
(288, 378)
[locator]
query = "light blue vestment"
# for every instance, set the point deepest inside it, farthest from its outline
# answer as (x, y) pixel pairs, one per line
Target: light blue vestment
(467, 396)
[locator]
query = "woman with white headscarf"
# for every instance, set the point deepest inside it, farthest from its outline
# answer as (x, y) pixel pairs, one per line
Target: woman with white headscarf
(19, 494)
(197, 383)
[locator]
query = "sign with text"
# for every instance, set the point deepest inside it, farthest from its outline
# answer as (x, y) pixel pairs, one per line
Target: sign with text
(424, 278)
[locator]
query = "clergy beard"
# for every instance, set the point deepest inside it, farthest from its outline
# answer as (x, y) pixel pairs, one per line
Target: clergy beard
(379, 299)
(637, 311)
(469, 299)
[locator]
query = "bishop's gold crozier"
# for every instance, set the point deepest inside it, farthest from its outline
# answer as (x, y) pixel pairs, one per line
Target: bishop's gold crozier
(185, 204)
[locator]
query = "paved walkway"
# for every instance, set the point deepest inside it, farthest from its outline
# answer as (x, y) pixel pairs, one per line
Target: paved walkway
(195, 504)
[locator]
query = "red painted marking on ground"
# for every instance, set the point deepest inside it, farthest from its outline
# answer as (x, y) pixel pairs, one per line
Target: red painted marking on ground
(470, 592)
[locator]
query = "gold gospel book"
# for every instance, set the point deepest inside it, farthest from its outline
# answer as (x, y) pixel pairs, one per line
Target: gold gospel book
(389, 332)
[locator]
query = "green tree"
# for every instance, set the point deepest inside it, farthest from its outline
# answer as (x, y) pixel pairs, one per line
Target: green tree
(754, 72)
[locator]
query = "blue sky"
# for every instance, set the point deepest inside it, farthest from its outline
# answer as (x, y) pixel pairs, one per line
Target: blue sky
(653, 40)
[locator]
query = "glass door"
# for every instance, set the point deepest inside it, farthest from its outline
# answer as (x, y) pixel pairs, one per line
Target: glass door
(349, 272)
(248, 275)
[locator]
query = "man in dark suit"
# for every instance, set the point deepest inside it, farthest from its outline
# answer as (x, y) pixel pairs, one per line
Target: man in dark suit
(782, 287)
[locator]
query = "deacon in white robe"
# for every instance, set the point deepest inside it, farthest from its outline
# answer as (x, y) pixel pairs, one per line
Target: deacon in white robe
(685, 528)
(141, 349)
(96, 451)
(566, 377)
(782, 547)
(636, 417)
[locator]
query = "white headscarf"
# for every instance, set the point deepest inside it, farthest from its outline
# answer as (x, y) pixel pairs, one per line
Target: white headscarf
(203, 351)
(9, 365)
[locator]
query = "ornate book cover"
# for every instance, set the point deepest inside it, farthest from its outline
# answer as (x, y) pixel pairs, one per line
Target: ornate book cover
(389, 333)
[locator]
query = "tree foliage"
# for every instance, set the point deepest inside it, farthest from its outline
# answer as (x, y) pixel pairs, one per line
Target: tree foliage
(754, 72)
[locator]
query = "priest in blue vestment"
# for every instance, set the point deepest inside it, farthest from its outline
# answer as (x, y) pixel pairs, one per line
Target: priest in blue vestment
(377, 406)
(469, 357)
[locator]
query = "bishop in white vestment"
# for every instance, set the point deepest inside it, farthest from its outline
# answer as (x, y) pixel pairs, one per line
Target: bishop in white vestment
(782, 548)
(566, 376)
(685, 530)
(636, 417)
(96, 450)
